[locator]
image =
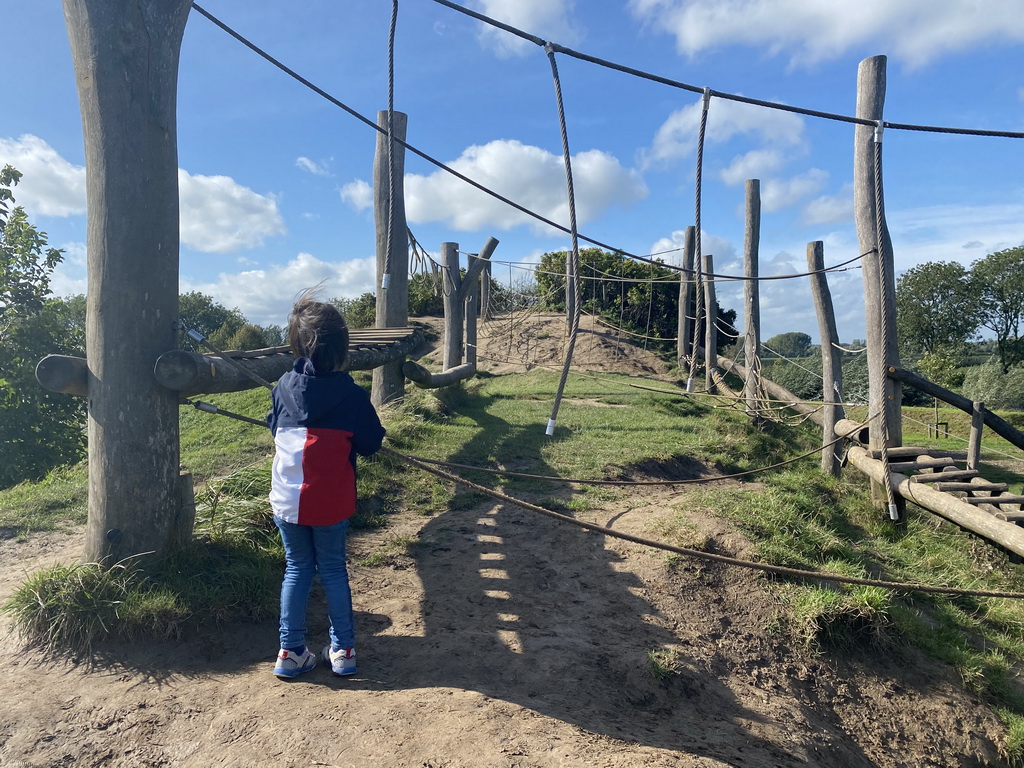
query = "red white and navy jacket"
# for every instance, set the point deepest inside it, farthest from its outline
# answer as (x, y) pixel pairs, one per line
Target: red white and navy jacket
(319, 422)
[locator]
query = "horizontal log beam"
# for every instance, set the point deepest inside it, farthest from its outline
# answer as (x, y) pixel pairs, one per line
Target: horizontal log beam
(926, 463)
(997, 424)
(984, 524)
(995, 501)
(911, 452)
(938, 477)
(190, 373)
(975, 485)
(425, 379)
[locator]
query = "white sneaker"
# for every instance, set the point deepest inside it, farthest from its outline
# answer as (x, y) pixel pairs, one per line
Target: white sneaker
(291, 665)
(342, 662)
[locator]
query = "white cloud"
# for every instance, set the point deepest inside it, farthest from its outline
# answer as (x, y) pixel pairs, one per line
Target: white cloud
(723, 251)
(777, 194)
(219, 215)
(915, 31)
(51, 186)
(358, 194)
(530, 176)
(549, 19)
(830, 209)
(70, 276)
(311, 166)
(265, 296)
(677, 137)
(753, 165)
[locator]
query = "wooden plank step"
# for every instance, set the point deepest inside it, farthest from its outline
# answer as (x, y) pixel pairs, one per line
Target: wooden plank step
(907, 451)
(910, 466)
(993, 487)
(1011, 517)
(995, 501)
(938, 477)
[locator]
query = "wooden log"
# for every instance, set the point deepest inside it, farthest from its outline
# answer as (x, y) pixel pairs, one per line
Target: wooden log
(424, 379)
(995, 500)
(710, 329)
(977, 484)
(977, 426)
(475, 268)
(948, 507)
(909, 451)
(190, 373)
(63, 373)
(751, 297)
(884, 394)
(125, 57)
(831, 363)
(471, 291)
(997, 424)
(392, 263)
(938, 477)
(854, 431)
(684, 340)
(485, 294)
(454, 306)
(926, 463)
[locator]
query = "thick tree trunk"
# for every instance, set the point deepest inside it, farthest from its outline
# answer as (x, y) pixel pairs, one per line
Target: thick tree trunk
(126, 67)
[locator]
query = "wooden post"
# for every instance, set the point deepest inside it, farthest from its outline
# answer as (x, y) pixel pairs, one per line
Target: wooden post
(977, 426)
(884, 393)
(126, 57)
(392, 264)
(454, 305)
(711, 330)
(471, 291)
(751, 298)
(684, 341)
(831, 360)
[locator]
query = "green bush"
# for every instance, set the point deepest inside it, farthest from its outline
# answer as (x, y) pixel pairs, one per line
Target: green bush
(988, 384)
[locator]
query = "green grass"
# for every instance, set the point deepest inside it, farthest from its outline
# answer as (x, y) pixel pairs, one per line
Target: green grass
(56, 502)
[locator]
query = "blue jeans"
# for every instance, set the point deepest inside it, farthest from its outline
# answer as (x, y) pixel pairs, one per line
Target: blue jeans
(309, 550)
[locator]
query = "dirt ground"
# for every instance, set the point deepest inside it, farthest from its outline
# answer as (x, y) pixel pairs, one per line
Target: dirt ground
(505, 640)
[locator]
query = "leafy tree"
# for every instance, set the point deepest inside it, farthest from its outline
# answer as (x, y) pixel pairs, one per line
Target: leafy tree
(998, 280)
(792, 344)
(216, 322)
(359, 313)
(643, 298)
(39, 429)
(936, 308)
(425, 297)
(996, 388)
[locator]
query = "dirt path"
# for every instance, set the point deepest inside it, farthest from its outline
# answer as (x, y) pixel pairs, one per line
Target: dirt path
(505, 640)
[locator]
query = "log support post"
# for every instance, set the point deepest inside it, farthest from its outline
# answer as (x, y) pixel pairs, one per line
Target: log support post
(977, 426)
(711, 324)
(831, 359)
(454, 305)
(392, 251)
(684, 340)
(884, 393)
(751, 300)
(125, 57)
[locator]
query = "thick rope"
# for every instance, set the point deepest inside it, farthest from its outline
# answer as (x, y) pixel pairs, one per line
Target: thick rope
(698, 252)
(890, 494)
(573, 262)
(386, 271)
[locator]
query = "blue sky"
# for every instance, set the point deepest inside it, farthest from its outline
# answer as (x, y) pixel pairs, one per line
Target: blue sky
(274, 179)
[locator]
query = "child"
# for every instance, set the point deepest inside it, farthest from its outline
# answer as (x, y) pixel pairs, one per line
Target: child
(320, 420)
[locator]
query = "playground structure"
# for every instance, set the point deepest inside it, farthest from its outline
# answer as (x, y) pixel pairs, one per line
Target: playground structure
(134, 379)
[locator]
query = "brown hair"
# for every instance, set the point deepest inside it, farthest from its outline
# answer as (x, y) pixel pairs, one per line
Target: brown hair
(317, 330)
